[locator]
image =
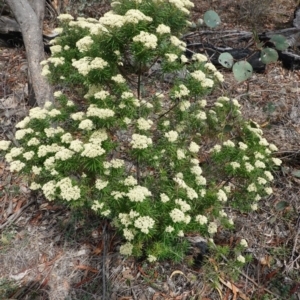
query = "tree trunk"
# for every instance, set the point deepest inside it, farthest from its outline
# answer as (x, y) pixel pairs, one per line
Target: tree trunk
(30, 19)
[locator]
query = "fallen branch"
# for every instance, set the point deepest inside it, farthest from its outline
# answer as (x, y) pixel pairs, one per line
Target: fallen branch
(17, 215)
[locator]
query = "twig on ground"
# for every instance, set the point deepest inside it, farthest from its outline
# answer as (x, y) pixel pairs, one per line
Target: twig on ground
(104, 240)
(15, 216)
(290, 265)
(250, 279)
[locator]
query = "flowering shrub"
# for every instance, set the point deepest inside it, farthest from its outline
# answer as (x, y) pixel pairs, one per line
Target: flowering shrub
(159, 164)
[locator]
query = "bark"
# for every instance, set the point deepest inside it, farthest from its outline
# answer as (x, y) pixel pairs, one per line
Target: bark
(30, 20)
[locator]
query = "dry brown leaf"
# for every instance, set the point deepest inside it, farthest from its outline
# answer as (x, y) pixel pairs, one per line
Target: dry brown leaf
(234, 289)
(127, 274)
(88, 268)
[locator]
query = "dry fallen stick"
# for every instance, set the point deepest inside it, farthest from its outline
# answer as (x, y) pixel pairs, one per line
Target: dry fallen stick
(15, 216)
(290, 265)
(251, 280)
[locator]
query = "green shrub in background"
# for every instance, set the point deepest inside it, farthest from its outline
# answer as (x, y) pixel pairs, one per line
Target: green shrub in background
(158, 164)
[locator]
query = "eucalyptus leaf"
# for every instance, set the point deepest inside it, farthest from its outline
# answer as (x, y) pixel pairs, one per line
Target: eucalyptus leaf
(280, 42)
(268, 55)
(226, 60)
(242, 70)
(211, 19)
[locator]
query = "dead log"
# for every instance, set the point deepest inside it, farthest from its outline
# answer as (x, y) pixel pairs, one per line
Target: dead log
(213, 43)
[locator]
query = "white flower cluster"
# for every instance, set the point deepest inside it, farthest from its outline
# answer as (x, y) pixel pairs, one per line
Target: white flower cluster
(194, 148)
(76, 145)
(22, 132)
(13, 153)
(199, 57)
(36, 170)
(183, 91)
(235, 165)
(184, 105)
(130, 181)
(144, 224)
(212, 228)
(180, 154)
(38, 113)
(210, 67)
(201, 219)
(33, 142)
(63, 154)
(182, 5)
(51, 132)
(162, 29)
(55, 49)
(65, 17)
(198, 75)
(119, 79)
(178, 43)
(86, 125)
(144, 124)
(111, 19)
(242, 146)
(140, 141)
(84, 43)
(201, 115)
(241, 259)
(100, 184)
(135, 16)
(16, 165)
(66, 138)
(128, 234)
(164, 198)
(196, 170)
(102, 113)
(138, 193)
(219, 76)
(49, 189)
(243, 243)
(249, 167)
(101, 95)
(34, 186)
(23, 123)
(171, 57)
(116, 163)
(28, 155)
(151, 258)
(177, 215)
(147, 39)
(45, 149)
(67, 190)
(96, 205)
(49, 163)
(184, 206)
(86, 64)
(78, 116)
(92, 150)
(228, 143)
(169, 229)
(98, 136)
(126, 249)
(56, 61)
(171, 136)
